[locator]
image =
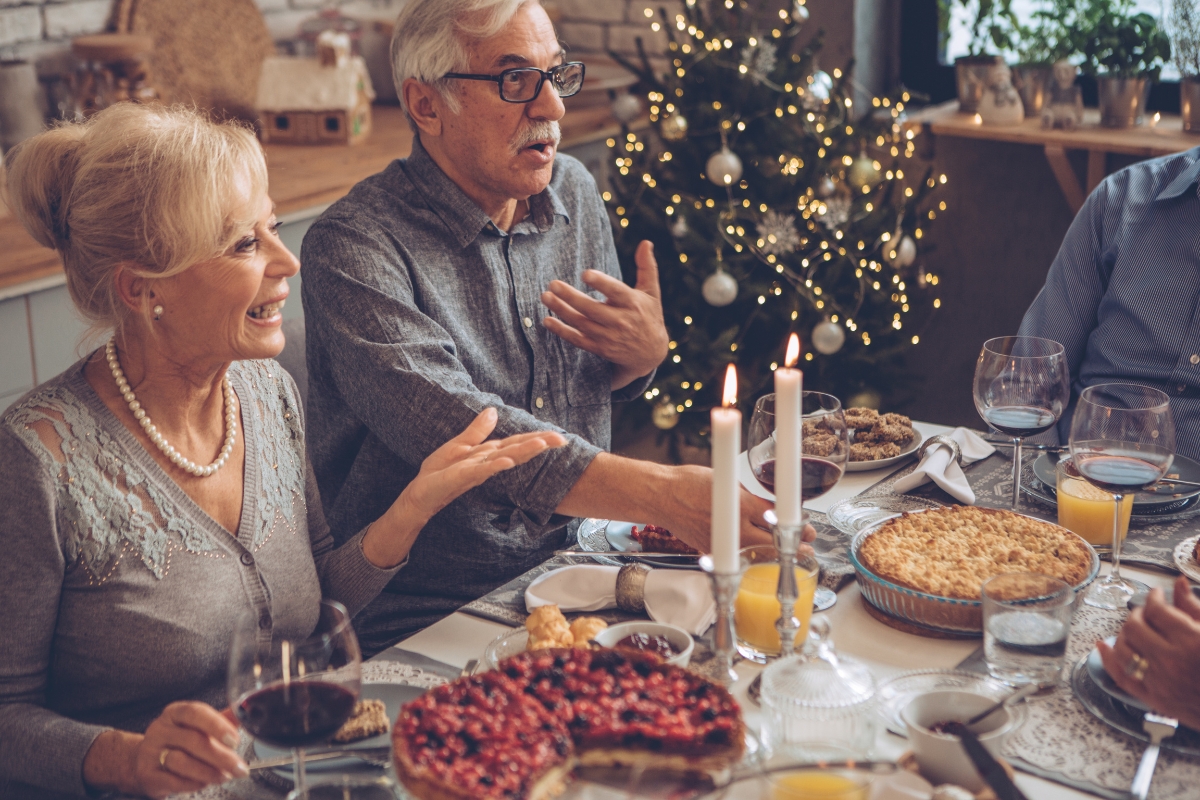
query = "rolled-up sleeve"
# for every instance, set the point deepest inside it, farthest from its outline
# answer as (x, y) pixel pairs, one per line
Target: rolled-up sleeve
(398, 372)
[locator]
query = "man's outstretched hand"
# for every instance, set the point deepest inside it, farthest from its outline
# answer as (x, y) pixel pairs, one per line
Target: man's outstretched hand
(625, 329)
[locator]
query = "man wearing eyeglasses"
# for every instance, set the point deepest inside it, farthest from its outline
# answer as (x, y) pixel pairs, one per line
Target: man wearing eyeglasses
(481, 271)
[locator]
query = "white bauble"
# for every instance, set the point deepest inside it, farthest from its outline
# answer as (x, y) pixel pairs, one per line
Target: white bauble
(719, 289)
(824, 187)
(664, 414)
(906, 252)
(724, 168)
(799, 12)
(626, 108)
(674, 127)
(818, 91)
(680, 228)
(828, 337)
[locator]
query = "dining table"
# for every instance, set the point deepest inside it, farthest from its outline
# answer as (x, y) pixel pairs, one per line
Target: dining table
(1081, 758)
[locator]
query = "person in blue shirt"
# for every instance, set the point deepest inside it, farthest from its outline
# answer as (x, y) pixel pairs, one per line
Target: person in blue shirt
(1121, 295)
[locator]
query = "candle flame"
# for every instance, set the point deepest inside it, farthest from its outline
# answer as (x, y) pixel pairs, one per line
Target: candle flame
(729, 395)
(793, 351)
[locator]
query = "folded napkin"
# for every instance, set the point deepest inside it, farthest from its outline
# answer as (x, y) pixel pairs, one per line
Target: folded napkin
(939, 466)
(673, 596)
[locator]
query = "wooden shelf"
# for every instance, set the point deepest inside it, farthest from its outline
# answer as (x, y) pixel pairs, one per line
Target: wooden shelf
(1160, 138)
(301, 177)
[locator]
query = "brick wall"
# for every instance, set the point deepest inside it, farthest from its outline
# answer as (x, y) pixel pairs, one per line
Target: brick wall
(596, 26)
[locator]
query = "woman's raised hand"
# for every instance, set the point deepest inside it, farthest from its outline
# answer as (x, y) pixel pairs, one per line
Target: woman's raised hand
(468, 460)
(189, 746)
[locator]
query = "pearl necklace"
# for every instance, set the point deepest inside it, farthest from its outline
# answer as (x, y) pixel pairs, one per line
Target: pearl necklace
(160, 441)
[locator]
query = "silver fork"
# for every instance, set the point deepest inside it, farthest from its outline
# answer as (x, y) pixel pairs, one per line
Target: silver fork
(1157, 727)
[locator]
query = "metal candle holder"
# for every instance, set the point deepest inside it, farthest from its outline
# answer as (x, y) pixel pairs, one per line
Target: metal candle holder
(787, 539)
(725, 588)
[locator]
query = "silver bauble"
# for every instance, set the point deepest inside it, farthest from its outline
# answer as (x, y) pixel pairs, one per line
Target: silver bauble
(723, 168)
(664, 415)
(824, 187)
(862, 172)
(906, 252)
(674, 127)
(626, 108)
(818, 91)
(799, 12)
(680, 228)
(828, 337)
(719, 289)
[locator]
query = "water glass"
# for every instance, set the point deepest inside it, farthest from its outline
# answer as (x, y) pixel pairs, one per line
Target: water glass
(1026, 622)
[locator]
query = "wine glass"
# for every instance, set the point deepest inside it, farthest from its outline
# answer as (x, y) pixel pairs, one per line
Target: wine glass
(825, 448)
(1122, 440)
(296, 692)
(1022, 387)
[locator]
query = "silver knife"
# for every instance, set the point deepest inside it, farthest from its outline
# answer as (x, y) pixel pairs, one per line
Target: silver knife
(376, 756)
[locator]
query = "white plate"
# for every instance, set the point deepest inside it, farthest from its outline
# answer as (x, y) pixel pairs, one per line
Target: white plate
(1186, 560)
(880, 463)
(620, 536)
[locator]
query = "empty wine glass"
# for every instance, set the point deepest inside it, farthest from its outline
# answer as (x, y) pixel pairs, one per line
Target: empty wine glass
(1122, 440)
(1022, 387)
(296, 692)
(825, 448)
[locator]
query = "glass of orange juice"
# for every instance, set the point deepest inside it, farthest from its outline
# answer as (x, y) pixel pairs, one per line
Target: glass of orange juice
(756, 607)
(1087, 510)
(820, 784)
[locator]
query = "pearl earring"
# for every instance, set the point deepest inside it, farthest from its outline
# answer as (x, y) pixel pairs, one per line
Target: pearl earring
(158, 312)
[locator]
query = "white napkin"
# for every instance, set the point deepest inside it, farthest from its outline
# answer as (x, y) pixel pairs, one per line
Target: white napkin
(938, 466)
(673, 596)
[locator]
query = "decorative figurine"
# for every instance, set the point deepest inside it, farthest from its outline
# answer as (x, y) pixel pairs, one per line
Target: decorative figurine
(1001, 103)
(1064, 105)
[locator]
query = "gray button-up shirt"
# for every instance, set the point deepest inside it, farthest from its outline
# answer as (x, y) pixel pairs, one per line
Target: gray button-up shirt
(421, 313)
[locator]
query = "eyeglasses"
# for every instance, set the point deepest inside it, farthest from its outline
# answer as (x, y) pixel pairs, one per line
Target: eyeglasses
(524, 84)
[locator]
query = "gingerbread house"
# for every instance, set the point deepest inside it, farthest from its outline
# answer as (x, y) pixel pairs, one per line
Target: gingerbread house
(314, 100)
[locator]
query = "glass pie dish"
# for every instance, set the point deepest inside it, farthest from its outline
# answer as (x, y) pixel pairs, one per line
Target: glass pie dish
(937, 613)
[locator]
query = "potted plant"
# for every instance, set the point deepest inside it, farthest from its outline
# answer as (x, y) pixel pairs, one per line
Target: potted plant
(1184, 28)
(1040, 42)
(1126, 53)
(992, 25)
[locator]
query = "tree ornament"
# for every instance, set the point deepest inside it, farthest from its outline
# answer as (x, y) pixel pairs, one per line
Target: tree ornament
(719, 289)
(778, 234)
(824, 187)
(867, 398)
(820, 85)
(723, 168)
(862, 172)
(664, 414)
(902, 253)
(760, 59)
(828, 337)
(799, 12)
(674, 127)
(835, 211)
(680, 228)
(626, 108)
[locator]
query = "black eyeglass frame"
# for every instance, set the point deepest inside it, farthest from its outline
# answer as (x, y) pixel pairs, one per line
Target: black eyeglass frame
(552, 74)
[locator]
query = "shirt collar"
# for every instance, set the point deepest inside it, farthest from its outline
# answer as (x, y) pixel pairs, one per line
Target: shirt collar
(461, 214)
(1183, 181)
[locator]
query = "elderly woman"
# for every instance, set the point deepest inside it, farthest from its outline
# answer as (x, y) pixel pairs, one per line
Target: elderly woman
(1157, 653)
(159, 488)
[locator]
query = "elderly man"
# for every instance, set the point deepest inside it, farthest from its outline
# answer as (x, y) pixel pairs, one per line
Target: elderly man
(429, 291)
(1121, 296)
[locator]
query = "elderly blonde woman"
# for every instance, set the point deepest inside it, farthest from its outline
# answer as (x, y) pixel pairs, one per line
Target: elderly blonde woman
(159, 488)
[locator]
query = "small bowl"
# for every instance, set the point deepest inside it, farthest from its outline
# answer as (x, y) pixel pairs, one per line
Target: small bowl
(680, 639)
(941, 756)
(508, 644)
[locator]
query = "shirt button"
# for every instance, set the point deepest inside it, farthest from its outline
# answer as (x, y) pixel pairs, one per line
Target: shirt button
(264, 621)
(1181, 387)
(1195, 359)
(529, 324)
(247, 559)
(539, 402)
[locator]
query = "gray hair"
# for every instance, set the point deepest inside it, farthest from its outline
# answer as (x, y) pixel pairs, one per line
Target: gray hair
(433, 37)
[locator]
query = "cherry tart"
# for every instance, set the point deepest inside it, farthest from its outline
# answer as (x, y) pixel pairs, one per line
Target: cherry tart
(518, 731)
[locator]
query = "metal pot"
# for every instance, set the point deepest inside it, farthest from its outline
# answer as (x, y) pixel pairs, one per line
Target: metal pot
(971, 74)
(1122, 100)
(1189, 104)
(1033, 82)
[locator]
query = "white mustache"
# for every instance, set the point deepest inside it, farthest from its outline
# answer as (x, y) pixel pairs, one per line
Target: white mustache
(536, 132)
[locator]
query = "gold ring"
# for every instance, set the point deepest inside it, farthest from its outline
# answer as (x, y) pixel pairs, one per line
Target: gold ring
(1137, 666)
(162, 758)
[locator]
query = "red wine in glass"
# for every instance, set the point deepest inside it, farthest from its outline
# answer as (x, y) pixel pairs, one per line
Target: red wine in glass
(1020, 421)
(300, 714)
(817, 476)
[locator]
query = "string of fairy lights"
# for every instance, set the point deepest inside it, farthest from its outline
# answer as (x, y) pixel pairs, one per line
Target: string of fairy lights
(824, 224)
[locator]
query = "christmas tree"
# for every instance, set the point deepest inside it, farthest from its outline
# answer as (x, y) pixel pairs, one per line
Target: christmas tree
(774, 206)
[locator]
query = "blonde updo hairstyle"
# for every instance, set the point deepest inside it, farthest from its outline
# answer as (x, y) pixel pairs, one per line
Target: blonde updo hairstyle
(152, 188)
